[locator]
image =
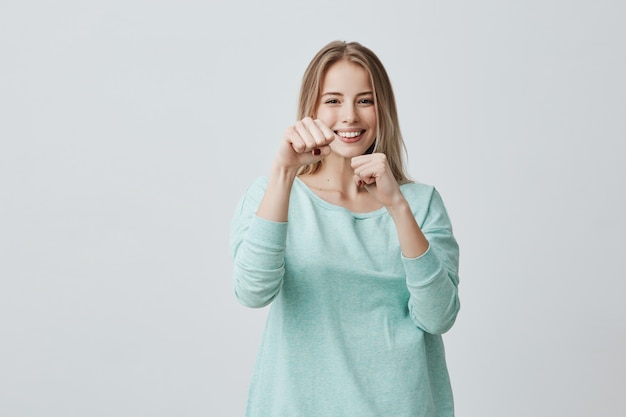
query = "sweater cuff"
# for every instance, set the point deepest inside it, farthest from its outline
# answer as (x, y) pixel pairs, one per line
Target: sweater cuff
(423, 269)
(267, 233)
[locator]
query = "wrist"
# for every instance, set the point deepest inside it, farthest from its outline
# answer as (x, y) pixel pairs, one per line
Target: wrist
(399, 208)
(283, 173)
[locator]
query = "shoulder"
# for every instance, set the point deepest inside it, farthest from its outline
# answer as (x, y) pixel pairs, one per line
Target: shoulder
(257, 188)
(425, 201)
(260, 182)
(252, 196)
(416, 192)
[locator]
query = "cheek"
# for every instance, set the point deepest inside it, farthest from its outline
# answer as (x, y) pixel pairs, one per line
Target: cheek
(371, 116)
(326, 117)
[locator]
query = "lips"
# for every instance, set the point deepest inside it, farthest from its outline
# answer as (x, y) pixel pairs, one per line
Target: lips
(350, 136)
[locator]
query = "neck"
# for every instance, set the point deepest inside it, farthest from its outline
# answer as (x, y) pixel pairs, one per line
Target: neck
(334, 182)
(338, 174)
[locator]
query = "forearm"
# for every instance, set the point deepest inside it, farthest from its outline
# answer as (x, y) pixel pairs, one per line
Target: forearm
(413, 243)
(275, 203)
(430, 275)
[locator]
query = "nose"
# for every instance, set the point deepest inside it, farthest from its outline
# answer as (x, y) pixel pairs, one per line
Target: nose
(350, 113)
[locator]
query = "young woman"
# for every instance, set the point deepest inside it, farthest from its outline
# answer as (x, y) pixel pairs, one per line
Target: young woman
(359, 263)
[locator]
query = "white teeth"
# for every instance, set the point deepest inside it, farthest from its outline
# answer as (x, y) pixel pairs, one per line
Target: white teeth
(349, 134)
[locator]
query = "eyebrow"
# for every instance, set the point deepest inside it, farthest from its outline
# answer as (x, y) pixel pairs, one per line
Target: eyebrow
(332, 93)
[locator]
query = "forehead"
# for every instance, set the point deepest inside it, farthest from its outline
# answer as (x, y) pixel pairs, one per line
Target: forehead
(345, 75)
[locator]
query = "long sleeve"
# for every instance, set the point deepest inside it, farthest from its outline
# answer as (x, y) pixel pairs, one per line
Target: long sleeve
(432, 278)
(257, 247)
(340, 297)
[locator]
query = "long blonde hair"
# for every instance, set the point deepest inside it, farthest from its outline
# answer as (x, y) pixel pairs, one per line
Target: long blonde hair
(388, 137)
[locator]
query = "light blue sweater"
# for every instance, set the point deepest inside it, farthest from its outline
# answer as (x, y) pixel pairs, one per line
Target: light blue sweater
(354, 327)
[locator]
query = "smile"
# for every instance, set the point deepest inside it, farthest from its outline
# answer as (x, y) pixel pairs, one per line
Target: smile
(350, 135)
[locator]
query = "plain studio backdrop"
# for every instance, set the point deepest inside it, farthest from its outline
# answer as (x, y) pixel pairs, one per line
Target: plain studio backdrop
(130, 129)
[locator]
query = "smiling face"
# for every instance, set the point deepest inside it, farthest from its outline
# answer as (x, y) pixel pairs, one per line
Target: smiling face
(347, 107)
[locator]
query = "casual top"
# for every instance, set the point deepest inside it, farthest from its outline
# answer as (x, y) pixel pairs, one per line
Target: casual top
(354, 327)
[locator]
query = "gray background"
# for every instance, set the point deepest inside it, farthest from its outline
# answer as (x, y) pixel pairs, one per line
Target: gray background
(129, 130)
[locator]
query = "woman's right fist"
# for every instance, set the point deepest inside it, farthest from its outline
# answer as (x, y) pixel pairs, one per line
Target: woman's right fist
(305, 142)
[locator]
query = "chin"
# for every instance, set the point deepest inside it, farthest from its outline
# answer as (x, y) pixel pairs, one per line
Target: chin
(348, 152)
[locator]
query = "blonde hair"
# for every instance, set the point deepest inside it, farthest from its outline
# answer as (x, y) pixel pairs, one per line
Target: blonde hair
(388, 137)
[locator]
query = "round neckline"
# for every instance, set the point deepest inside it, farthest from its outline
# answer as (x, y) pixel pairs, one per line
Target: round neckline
(330, 206)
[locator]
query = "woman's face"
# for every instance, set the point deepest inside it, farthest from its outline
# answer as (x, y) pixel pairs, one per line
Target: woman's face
(347, 107)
